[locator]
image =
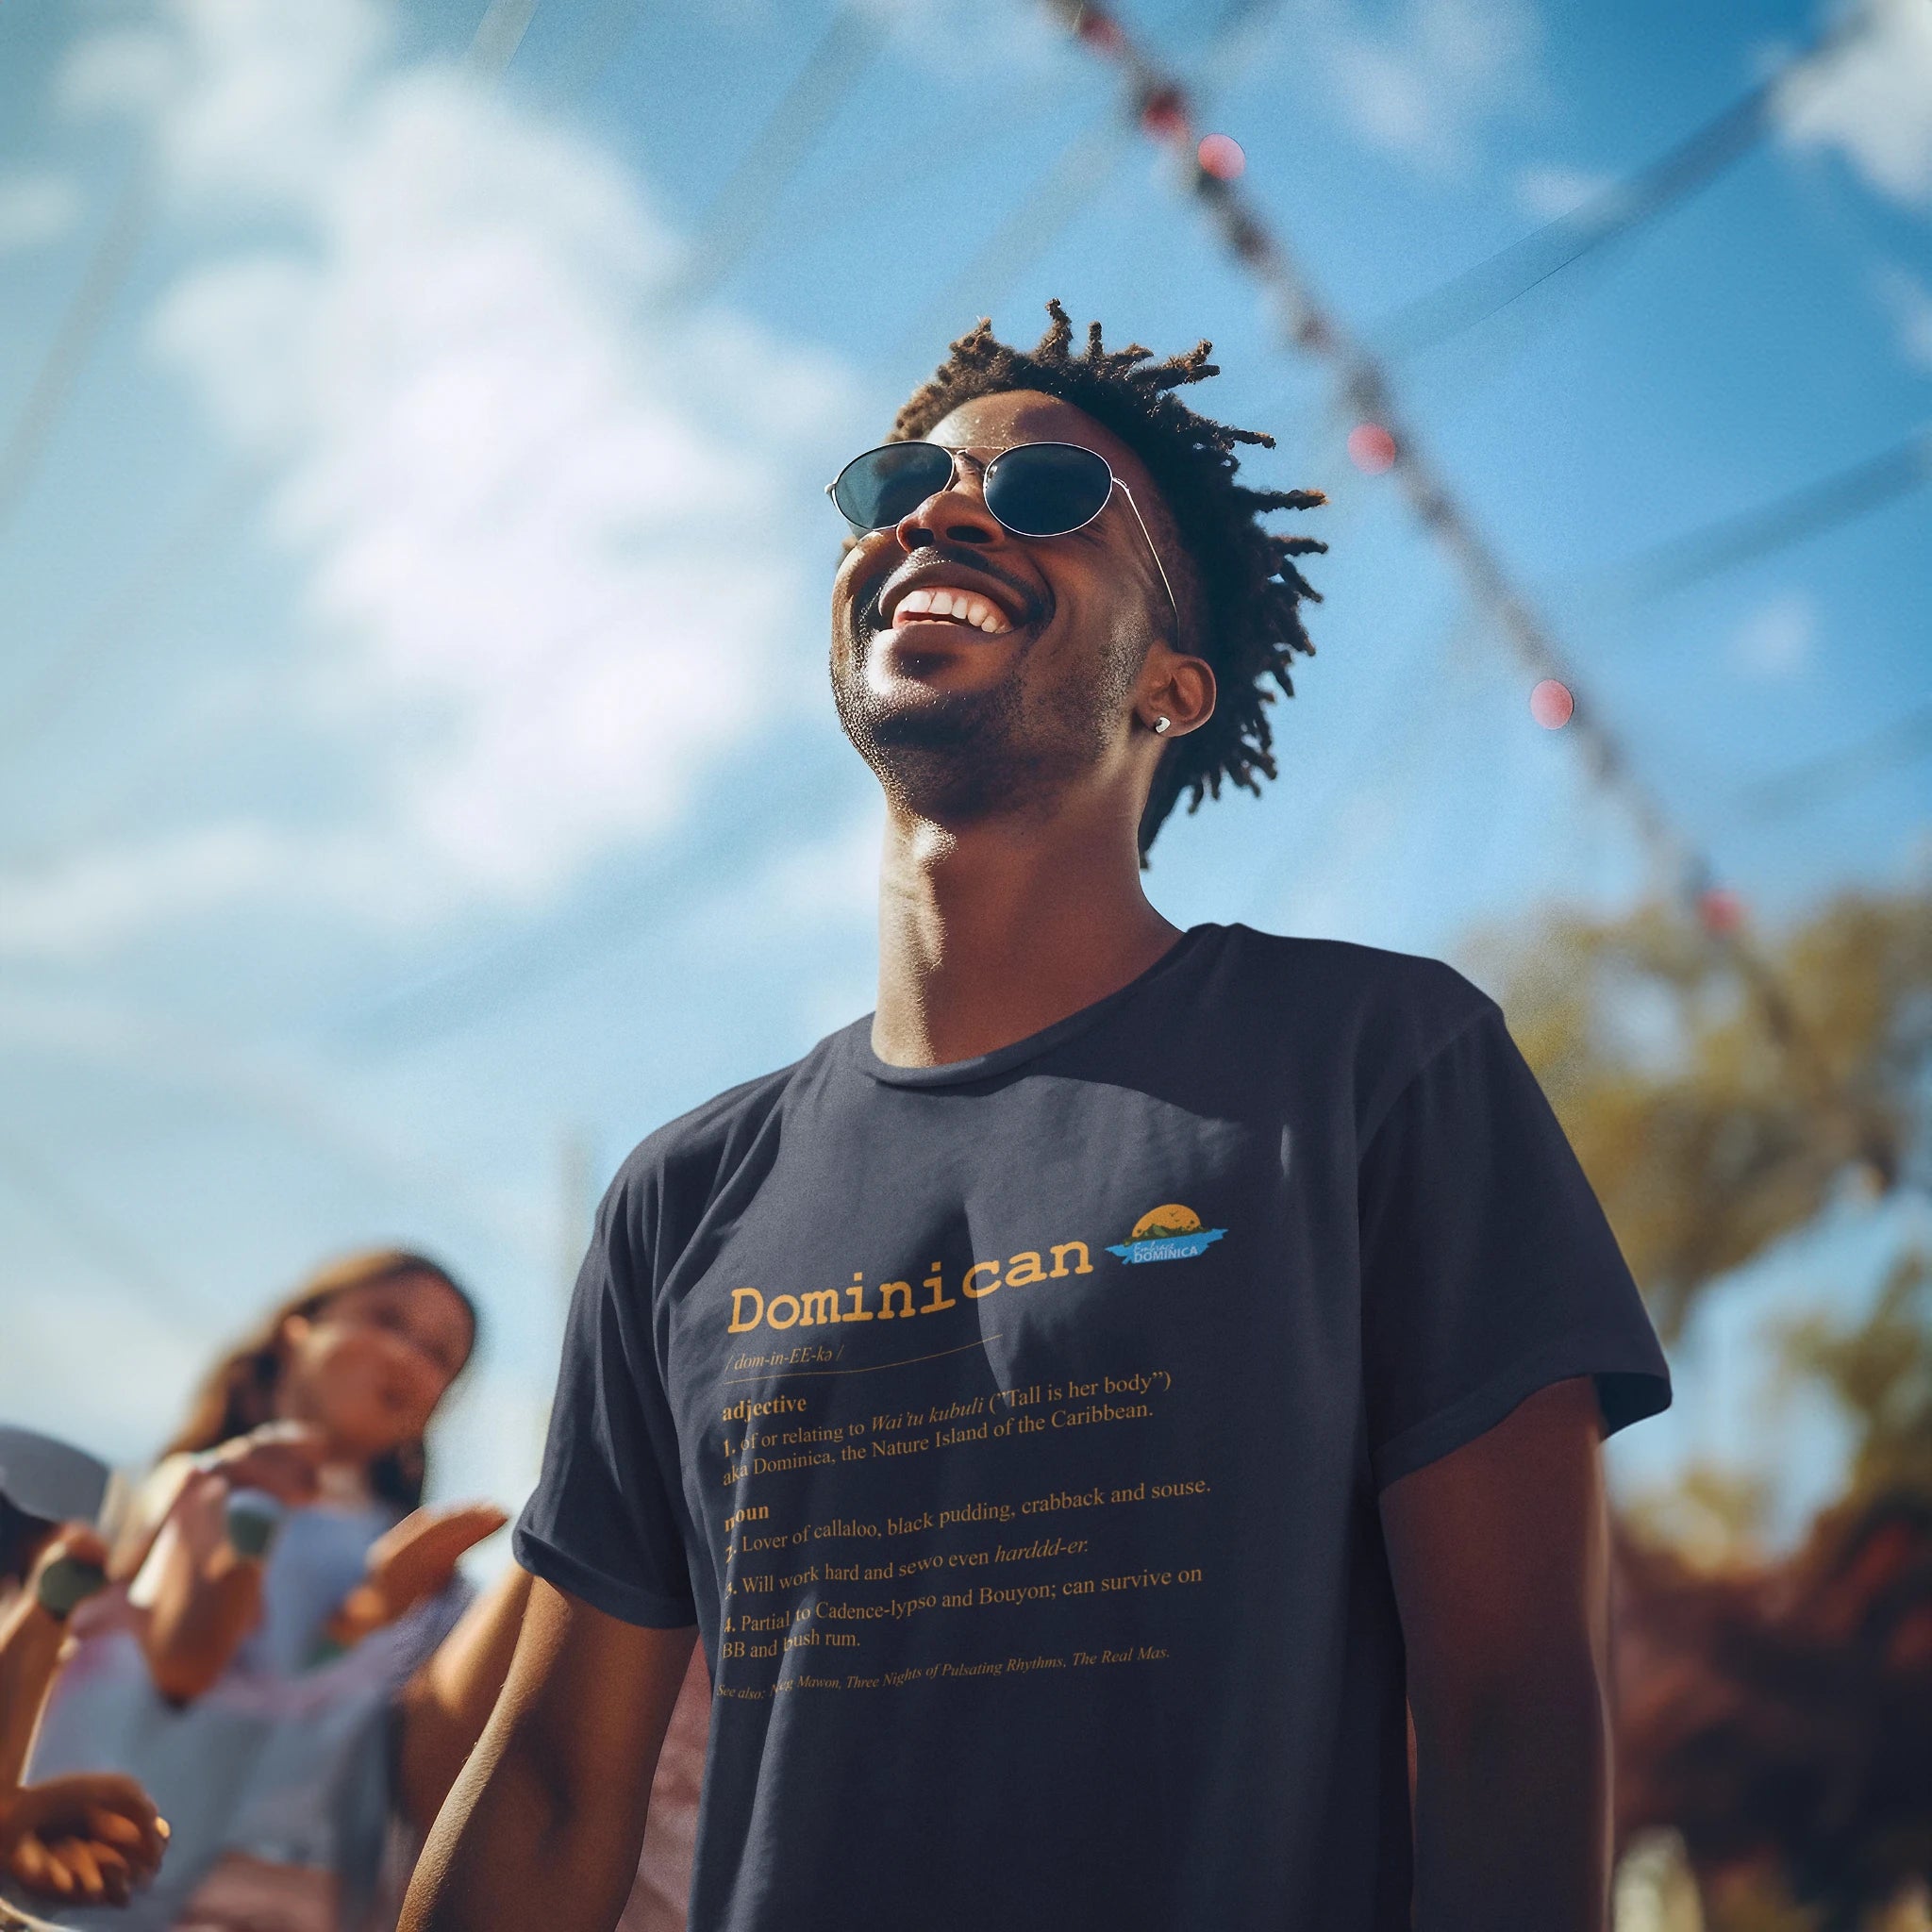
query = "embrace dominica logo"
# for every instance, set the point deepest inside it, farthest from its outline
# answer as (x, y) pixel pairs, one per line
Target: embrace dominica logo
(1172, 1233)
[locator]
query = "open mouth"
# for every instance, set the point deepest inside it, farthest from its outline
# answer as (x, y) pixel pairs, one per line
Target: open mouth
(956, 594)
(948, 604)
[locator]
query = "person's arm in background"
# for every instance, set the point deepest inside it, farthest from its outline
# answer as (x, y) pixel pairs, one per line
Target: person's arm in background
(200, 1595)
(443, 1708)
(413, 1560)
(86, 1839)
(32, 1635)
(545, 1823)
(1499, 1555)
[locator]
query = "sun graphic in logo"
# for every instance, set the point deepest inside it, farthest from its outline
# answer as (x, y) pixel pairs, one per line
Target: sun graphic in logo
(1172, 1219)
(1170, 1233)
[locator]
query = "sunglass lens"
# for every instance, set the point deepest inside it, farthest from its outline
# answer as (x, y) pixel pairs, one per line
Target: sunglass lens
(1047, 488)
(878, 489)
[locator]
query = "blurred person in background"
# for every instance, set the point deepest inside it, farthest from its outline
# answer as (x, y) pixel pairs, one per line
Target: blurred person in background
(1334, 1457)
(280, 1584)
(92, 1838)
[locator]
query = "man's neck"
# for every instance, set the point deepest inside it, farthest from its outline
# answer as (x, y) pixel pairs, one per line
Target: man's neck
(989, 934)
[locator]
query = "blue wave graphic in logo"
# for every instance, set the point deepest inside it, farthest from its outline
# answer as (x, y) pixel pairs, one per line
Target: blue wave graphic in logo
(1171, 1247)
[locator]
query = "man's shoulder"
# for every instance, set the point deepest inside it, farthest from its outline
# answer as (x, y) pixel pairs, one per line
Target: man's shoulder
(1323, 1015)
(701, 1145)
(1371, 992)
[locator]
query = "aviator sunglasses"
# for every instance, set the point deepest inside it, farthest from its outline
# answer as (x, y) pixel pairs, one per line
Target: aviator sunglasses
(1032, 489)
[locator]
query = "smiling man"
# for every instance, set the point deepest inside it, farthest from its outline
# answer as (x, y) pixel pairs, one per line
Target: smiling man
(1091, 1407)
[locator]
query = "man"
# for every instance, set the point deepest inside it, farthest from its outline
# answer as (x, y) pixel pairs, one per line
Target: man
(1086, 1406)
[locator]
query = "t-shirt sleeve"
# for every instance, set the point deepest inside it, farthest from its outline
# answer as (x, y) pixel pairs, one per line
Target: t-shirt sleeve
(1489, 1269)
(604, 1522)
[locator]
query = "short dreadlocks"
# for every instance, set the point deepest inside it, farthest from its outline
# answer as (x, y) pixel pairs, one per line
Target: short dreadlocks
(1247, 592)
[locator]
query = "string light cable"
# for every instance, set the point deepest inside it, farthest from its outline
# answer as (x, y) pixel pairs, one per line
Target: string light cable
(1485, 288)
(1209, 171)
(1769, 527)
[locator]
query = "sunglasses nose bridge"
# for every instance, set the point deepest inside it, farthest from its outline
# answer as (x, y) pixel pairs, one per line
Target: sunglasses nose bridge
(965, 484)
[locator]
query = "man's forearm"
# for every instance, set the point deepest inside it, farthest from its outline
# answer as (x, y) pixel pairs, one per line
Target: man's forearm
(544, 1826)
(1513, 1812)
(445, 1706)
(510, 1850)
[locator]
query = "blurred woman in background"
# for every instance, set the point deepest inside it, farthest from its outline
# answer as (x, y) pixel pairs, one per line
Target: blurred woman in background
(280, 1586)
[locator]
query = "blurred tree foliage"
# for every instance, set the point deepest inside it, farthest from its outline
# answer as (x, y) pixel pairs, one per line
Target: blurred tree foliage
(1880, 1370)
(1717, 1091)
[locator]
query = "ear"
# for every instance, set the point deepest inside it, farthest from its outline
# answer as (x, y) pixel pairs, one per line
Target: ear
(1177, 687)
(295, 1330)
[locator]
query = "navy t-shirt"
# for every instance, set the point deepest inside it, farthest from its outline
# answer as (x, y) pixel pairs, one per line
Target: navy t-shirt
(1012, 1431)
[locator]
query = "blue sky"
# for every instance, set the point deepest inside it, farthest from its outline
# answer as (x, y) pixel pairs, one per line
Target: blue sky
(416, 777)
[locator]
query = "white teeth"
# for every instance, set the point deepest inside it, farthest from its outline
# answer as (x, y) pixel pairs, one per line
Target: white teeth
(962, 605)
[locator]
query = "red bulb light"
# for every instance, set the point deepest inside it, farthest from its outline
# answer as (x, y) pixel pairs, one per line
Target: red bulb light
(1721, 909)
(1164, 114)
(1551, 704)
(1221, 155)
(1370, 448)
(1097, 28)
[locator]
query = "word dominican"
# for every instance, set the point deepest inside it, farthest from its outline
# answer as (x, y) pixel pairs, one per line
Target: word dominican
(750, 1308)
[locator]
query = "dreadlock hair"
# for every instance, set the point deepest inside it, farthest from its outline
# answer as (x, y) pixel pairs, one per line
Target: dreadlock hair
(1240, 587)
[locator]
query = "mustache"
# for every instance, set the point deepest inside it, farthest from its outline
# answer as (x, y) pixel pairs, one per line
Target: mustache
(1032, 608)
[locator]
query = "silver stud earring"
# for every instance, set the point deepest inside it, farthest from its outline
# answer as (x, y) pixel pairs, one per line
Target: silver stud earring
(1162, 725)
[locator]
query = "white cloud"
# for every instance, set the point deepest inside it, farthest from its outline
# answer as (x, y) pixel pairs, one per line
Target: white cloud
(1549, 193)
(1426, 84)
(834, 879)
(1872, 101)
(140, 1357)
(959, 39)
(35, 207)
(1778, 637)
(96, 899)
(1909, 302)
(536, 506)
(130, 69)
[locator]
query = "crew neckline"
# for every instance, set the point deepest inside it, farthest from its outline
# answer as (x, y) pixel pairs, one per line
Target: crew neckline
(982, 1066)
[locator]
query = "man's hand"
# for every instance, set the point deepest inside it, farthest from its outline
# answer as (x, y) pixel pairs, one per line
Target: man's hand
(1500, 1561)
(87, 1839)
(410, 1562)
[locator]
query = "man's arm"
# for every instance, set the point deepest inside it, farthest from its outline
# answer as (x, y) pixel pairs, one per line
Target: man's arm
(447, 1704)
(1499, 1557)
(544, 1826)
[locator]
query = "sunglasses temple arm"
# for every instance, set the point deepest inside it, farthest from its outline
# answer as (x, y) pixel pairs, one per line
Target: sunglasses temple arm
(1173, 602)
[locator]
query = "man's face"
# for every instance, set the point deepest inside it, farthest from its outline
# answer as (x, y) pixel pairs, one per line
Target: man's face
(1002, 707)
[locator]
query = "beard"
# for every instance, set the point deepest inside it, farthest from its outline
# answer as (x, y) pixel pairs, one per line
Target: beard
(1007, 750)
